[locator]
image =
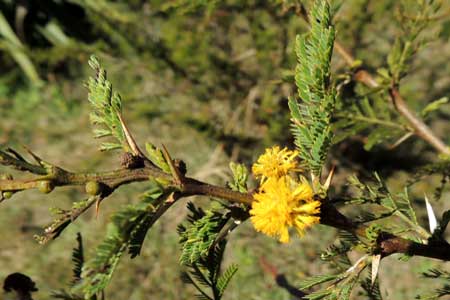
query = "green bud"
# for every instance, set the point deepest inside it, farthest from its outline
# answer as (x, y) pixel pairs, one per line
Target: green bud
(7, 195)
(93, 188)
(45, 186)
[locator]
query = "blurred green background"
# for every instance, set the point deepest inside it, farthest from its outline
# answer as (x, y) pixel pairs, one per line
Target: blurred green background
(210, 80)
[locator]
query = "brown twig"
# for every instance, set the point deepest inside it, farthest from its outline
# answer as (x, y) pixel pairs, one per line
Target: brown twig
(21, 165)
(113, 179)
(390, 244)
(181, 186)
(387, 244)
(419, 127)
(110, 181)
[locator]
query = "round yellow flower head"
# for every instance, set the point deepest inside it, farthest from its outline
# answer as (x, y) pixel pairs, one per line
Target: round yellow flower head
(281, 203)
(275, 163)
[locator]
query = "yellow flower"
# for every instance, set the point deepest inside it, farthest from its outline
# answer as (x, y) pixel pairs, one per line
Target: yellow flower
(282, 203)
(275, 163)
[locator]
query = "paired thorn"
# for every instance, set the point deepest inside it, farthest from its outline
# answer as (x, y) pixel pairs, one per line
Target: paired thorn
(35, 157)
(375, 266)
(16, 154)
(177, 177)
(97, 207)
(431, 216)
(130, 140)
(327, 183)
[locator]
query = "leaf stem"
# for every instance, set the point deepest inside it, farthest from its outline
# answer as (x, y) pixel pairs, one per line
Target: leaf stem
(378, 121)
(417, 124)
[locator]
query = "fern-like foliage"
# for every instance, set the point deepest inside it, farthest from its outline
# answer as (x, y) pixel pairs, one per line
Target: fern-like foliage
(371, 292)
(312, 118)
(336, 254)
(409, 42)
(240, 177)
(315, 280)
(390, 204)
(77, 260)
(386, 204)
(368, 115)
(367, 111)
(126, 231)
(199, 235)
(64, 218)
(106, 109)
(440, 293)
(203, 244)
(441, 168)
(341, 285)
(206, 272)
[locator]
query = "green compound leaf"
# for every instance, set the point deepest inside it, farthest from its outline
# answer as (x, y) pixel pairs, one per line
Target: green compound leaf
(315, 280)
(311, 119)
(225, 278)
(127, 230)
(199, 235)
(240, 176)
(156, 156)
(202, 252)
(106, 109)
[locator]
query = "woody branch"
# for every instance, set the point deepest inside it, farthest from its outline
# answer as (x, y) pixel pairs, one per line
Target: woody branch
(387, 244)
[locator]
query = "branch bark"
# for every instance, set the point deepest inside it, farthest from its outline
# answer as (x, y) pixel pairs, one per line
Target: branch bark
(420, 128)
(114, 179)
(388, 244)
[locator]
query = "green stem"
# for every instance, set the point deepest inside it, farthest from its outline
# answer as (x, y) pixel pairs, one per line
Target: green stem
(114, 179)
(418, 229)
(380, 122)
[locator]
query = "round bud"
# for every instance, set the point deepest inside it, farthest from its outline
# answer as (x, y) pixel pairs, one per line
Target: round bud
(7, 195)
(93, 188)
(45, 186)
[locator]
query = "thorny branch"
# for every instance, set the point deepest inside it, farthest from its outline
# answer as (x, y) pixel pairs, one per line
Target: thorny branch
(111, 180)
(184, 187)
(48, 176)
(420, 128)
(387, 243)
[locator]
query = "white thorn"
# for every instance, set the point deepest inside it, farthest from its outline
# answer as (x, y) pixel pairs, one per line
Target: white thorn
(375, 265)
(329, 178)
(431, 217)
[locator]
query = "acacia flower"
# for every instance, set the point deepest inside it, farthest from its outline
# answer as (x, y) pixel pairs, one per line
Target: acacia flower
(281, 203)
(275, 163)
